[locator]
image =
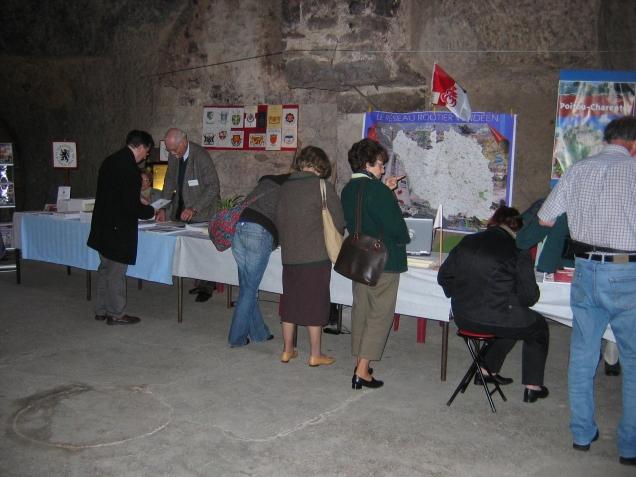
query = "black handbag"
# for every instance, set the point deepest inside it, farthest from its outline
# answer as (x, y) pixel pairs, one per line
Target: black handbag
(362, 257)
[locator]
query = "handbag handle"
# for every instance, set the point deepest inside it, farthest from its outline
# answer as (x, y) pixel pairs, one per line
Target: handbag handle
(323, 194)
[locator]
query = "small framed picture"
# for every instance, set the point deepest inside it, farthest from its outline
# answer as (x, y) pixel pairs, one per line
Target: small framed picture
(64, 155)
(6, 153)
(163, 151)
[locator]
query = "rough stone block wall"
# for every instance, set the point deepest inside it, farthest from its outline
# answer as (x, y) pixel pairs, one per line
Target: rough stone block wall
(133, 64)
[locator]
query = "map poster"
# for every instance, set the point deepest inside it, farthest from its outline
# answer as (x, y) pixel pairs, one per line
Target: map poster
(467, 166)
(253, 127)
(586, 102)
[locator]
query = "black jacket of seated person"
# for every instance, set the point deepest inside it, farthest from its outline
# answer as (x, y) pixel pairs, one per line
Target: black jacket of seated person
(118, 208)
(492, 284)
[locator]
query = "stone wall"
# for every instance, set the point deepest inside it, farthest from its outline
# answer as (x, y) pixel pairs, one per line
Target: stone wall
(94, 70)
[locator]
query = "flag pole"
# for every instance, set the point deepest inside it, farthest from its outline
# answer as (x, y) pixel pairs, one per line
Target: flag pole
(441, 241)
(432, 79)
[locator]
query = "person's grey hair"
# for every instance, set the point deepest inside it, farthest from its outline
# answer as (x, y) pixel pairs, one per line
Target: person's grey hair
(179, 134)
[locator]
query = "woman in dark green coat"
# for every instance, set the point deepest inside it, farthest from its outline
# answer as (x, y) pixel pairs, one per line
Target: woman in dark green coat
(374, 306)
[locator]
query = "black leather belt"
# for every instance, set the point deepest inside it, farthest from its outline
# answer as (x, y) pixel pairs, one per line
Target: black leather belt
(583, 248)
(622, 258)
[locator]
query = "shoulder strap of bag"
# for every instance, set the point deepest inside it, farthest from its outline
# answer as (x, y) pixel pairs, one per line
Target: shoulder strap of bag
(359, 206)
(323, 194)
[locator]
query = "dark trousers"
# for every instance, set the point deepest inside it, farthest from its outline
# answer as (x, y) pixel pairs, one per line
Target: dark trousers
(536, 339)
(111, 288)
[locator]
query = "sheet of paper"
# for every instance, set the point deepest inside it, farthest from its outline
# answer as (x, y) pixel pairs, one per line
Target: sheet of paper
(160, 203)
(63, 193)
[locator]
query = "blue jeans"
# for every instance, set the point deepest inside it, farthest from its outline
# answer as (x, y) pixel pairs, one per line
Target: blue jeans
(251, 247)
(602, 293)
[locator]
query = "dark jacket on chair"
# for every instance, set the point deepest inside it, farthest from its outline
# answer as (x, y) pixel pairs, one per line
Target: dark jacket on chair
(489, 280)
(118, 208)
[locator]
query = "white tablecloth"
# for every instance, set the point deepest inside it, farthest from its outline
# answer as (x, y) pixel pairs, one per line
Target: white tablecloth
(419, 294)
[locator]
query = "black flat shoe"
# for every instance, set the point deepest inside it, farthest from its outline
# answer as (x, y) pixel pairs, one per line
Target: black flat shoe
(193, 291)
(613, 369)
(627, 460)
(203, 296)
(585, 447)
(531, 395)
(358, 383)
(101, 317)
(354, 370)
(495, 378)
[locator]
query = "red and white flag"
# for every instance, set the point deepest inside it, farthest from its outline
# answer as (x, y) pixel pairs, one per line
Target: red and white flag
(447, 92)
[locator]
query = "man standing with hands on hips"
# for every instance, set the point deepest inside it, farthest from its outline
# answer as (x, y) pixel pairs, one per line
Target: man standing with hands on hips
(193, 184)
(114, 225)
(599, 196)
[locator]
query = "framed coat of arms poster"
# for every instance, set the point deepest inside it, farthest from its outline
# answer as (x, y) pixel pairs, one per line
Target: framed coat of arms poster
(64, 155)
(268, 127)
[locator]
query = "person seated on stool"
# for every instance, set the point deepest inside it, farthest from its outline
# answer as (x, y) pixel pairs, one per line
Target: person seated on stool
(491, 284)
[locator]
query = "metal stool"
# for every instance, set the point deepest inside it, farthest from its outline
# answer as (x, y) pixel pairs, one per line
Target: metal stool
(478, 344)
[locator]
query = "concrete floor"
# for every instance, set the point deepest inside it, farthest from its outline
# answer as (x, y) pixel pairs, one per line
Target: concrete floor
(81, 398)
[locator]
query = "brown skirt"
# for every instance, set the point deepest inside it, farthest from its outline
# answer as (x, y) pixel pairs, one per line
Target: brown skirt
(306, 298)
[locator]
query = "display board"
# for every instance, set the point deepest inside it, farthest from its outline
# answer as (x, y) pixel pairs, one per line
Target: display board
(586, 102)
(7, 188)
(467, 166)
(270, 127)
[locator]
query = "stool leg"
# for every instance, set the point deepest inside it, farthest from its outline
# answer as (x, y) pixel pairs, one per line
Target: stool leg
(463, 384)
(396, 322)
(475, 352)
(482, 363)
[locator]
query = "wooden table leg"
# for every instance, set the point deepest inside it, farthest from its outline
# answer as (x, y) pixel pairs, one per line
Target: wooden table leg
(228, 303)
(179, 299)
(338, 329)
(18, 276)
(444, 350)
(88, 285)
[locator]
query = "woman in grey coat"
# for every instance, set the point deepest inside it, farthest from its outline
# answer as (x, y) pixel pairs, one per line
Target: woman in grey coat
(306, 265)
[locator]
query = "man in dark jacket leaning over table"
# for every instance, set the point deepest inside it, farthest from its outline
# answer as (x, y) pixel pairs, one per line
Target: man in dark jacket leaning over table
(114, 225)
